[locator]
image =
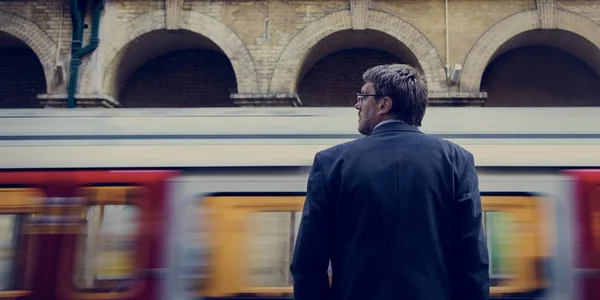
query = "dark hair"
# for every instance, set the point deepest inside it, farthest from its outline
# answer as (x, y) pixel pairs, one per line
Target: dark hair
(405, 85)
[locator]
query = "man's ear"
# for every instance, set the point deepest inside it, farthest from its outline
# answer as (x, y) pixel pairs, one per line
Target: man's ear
(385, 105)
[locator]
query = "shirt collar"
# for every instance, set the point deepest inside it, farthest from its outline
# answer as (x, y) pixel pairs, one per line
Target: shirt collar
(388, 121)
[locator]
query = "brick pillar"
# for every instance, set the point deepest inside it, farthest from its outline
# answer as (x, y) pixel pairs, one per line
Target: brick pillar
(545, 10)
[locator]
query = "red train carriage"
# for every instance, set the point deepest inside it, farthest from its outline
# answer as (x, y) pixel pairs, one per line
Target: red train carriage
(59, 237)
(586, 196)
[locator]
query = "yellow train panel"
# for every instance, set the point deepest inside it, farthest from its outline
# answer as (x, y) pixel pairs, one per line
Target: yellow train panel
(250, 241)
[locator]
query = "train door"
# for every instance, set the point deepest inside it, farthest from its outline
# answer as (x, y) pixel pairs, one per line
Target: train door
(80, 235)
(522, 218)
(115, 251)
(587, 218)
(235, 236)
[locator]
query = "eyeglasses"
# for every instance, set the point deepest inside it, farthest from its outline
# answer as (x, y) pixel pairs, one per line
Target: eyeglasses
(362, 97)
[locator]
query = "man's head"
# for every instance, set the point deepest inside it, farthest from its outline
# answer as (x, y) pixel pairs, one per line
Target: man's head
(395, 91)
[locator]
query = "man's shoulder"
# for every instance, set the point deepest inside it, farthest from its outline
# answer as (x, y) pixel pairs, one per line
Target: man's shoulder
(338, 149)
(454, 149)
(449, 148)
(447, 143)
(335, 154)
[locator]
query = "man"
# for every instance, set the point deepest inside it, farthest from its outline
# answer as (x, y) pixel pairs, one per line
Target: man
(397, 212)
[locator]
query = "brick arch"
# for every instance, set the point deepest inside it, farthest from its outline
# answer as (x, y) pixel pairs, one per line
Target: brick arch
(208, 27)
(32, 35)
(289, 64)
(232, 46)
(492, 43)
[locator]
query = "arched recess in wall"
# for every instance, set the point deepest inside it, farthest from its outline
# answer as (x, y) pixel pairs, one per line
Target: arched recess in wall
(331, 73)
(517, 46)
(201, 42)
(36, 39)
(21, 74)
(399, 37)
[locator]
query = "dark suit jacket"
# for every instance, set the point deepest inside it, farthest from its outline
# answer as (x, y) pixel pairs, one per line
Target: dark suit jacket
(399, 215)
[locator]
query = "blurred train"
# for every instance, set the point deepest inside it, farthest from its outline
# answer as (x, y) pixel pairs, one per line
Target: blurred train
(205, 203)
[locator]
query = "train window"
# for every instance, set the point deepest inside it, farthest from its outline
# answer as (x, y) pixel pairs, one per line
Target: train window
(498, 230)
(270, 247)
(8, 245)
(18, 248)
(513, 229)
(105, 260)
(107, 253)
(248, 243)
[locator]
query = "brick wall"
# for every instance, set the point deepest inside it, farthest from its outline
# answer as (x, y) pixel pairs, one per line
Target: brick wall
(587, 8)
(540, 76)
(268, 42)
(185, 78)
(45, 14)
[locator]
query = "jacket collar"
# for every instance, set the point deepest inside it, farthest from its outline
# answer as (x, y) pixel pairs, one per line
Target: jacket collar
(395, 126)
